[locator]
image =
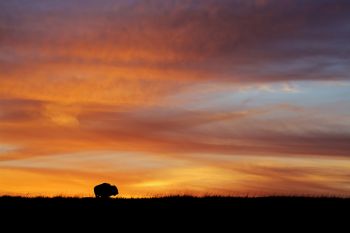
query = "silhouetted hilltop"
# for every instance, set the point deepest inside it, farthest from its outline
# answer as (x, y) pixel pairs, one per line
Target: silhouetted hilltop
(174, 203)
(175, 210)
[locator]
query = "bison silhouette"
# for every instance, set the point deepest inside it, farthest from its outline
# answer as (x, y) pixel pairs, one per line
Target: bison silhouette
(105, 190)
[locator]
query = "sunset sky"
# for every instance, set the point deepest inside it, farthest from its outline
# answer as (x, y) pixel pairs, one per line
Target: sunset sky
(159, 97)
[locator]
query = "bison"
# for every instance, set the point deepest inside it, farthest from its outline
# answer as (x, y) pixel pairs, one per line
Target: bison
(105, 190)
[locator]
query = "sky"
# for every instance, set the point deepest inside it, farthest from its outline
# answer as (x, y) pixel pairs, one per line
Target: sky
(164, 97)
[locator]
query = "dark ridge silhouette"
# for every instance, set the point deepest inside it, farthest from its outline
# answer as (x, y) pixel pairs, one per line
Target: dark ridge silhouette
(105, 190)
(221, 213)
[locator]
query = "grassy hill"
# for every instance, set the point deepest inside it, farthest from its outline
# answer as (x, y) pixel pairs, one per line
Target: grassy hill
(178, 210)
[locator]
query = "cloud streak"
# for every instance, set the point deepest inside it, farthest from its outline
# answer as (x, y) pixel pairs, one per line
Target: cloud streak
(232, 40)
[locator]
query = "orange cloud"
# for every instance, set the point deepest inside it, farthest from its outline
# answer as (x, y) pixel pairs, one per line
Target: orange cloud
(67, 128)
